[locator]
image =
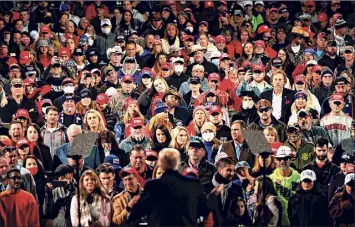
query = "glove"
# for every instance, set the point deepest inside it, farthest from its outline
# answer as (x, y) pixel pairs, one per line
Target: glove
(94, 213)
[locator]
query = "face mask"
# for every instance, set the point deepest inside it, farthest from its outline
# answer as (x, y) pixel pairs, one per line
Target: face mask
(216, 62)
(7, 39)
(178, 69)
(247, 104)
(90, 42)
(69, 90)
(106, 30)
(189, 28)
(33, 170)
(208, 136)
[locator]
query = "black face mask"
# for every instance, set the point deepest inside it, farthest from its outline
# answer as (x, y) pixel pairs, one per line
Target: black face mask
(47, 20)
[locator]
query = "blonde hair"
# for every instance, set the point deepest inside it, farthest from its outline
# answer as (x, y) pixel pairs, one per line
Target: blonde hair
(98, 188)
(159, 119)
(175, 133)
(164, 82)
(270, 130)
(101, 127)
(169, 159)
(276, 73)
(127, 117)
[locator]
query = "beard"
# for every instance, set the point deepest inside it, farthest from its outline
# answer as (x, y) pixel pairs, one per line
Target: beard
(321, 157)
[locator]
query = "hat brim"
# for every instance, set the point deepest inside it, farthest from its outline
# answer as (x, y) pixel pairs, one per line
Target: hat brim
(191, 54)
(175, 93)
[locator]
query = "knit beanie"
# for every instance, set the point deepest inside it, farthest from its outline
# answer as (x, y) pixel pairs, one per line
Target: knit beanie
(340, 23)
(326, 71)
(209, 126)
(199, 108)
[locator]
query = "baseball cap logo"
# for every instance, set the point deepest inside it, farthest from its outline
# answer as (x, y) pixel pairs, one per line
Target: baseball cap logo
(116, 161)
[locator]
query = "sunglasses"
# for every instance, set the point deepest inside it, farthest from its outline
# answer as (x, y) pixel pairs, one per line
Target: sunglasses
(127, 82)
(338, 103)
(215, 114)
(17, 85)
(137, 127)
(9, 149)
(264, 110)
(348, 52)
(194, 83)
(257, 72)
(284, 158)
(215, 81)
(45, 33)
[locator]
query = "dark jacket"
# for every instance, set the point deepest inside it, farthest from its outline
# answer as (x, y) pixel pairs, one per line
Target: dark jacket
(341, 209)
(223, 133)
(331, 63)
(176, 80)
(314, 134)
(324, 174)
(346, 146)
(278, 125)
(246, 115)
(322, 92)
(245, 153)
(12, 106)
(103, 42)
(172, 200)
(336, 183)
(205, 172)
(287, 100)
(181, 113)
(308, 208)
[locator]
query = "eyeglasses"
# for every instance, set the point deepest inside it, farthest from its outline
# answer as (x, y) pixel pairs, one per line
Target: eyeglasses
(17, 85)
(264, 110)
(284, 159)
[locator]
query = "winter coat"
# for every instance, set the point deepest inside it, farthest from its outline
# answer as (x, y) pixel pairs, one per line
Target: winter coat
(176, 80)
(128, 143)
(245, 152)
(271, 215)
(303, 154)
(103, 42)
(54, 139)
(278, 125)
(308, 208)
(341, 209)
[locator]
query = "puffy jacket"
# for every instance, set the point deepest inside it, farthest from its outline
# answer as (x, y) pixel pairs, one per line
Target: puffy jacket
(103, 42)
(322, 92)
(308, 208)
(54, 139)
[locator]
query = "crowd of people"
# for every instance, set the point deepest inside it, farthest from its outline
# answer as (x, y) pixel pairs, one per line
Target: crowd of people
(169, 88)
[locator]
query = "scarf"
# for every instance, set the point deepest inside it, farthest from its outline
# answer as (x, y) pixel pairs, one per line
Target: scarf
(217, 180)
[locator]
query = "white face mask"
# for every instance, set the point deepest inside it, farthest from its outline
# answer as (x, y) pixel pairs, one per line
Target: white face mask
(189, 28)
(106, 30)
(208, 136)
(178, 68)
(68, 90)
(247, 104)
(107, 152)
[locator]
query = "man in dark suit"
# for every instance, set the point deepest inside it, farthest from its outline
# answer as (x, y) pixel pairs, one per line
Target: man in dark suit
(280, 97)
(172, 200)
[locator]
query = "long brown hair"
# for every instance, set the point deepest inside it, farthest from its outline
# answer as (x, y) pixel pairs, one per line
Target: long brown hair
(264, 186)
(99, 189)
(257, 165)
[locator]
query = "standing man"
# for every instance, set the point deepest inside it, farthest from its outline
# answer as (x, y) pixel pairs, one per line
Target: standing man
(322, 167)
(137, 161)
(17, 207)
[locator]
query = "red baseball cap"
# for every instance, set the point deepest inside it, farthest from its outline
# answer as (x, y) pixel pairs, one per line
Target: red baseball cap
(220, 39)
(102, 99)
(25, 57)
(260, 67)
(68, 80)
(130, 101)
(263, 29)
(300, 78)
(310, 3)
(214, 76)
(137, 122)
(272, 10)
(45, 29)
(209, 4)
(166, 66)
(29, 80)
(246, 64)
(151, 153)
(129, 170)
(322, 35)
(188, 37)
(215, 109)
(317, 68)
(22, 113)
(337, 97)
(64, 51)
(322, 17)
(21, 142)
(190, 170)
(127, 78)
(259, 43)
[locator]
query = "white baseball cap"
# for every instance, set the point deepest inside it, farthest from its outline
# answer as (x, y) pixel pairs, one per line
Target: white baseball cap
(178, 59)
(308, 174)
(283, 151)
(349, 177)
(115, 49)
(105, 22)
(259, 3)
(219, 156)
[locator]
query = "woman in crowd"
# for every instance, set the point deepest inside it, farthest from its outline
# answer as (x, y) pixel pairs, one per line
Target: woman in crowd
(35, 167)
(200, 116)
(128, 24)
(161, 138)
(237, 214)
(160, 59)
(171, 38)
(206, 44)
(270, 215)
(95, 204)
(259, 170)
(86, 103)
(132, 111)
(212, 144)
(93, 122)
(43, 54)
(180, 140)
(37, 147)
(157, 172)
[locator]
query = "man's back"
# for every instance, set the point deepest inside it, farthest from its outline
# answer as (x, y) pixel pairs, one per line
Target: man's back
(172, 200)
